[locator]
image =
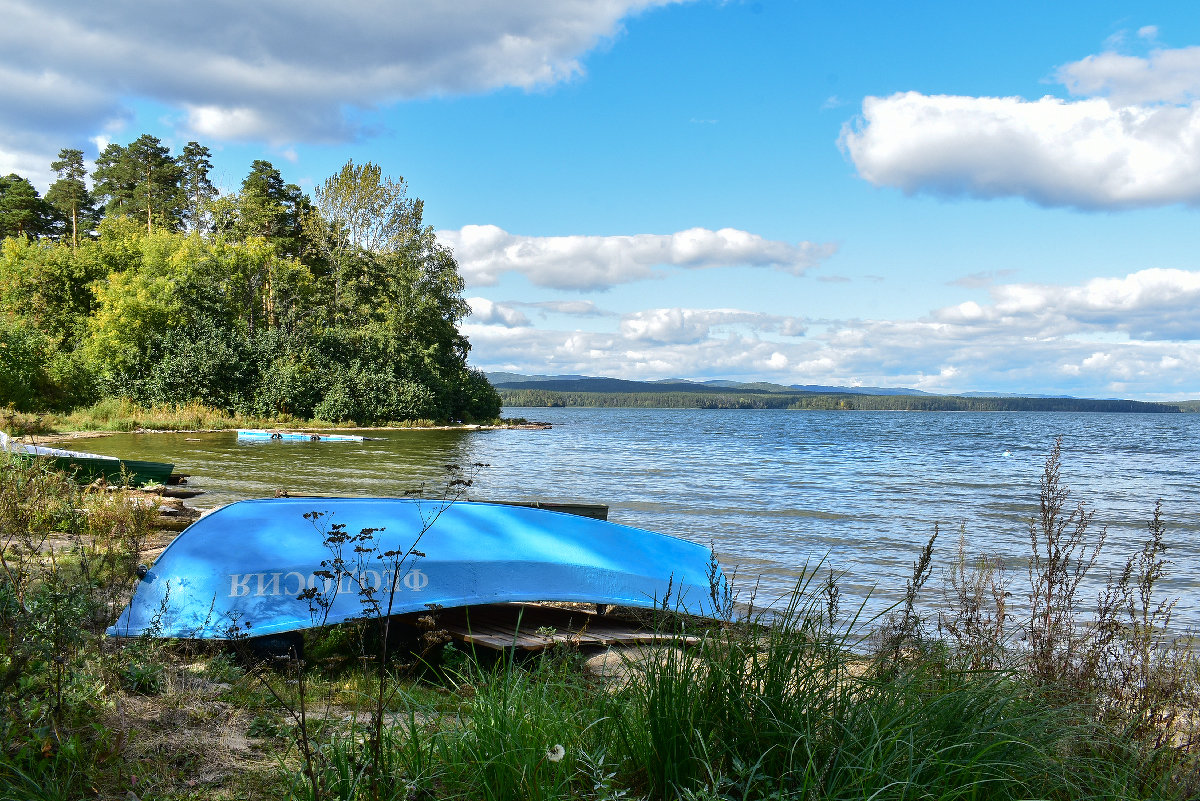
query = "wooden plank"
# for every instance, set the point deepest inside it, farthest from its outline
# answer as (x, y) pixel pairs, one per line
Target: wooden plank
(502, 626)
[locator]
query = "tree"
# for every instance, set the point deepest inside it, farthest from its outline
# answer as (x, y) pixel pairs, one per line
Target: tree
(135, 311)
(392, 337)
(261, 202)
(198, 190)
(143, 180)
(22, 364)
(49, 286)
(358, 217)
(114, 180)
(269, 208)
(22, 209)
(69, 195)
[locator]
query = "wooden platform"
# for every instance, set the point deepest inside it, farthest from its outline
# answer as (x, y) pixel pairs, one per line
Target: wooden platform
(531, 627)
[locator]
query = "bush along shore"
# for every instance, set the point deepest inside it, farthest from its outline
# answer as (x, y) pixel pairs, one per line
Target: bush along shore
(1017, 687)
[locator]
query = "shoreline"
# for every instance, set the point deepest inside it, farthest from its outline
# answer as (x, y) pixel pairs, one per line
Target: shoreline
(69, 436)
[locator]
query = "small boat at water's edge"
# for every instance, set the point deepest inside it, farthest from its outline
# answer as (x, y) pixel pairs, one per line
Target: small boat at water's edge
(297, 436)
(239, 571)
(87, 467)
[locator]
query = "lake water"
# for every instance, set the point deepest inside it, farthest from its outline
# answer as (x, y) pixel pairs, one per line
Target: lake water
(772, 490)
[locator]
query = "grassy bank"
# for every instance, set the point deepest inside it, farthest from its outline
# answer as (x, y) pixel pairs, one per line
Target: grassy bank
(117, 415)
(1059, 696)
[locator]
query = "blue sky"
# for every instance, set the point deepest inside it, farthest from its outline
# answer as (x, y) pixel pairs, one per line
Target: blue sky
(949, 196)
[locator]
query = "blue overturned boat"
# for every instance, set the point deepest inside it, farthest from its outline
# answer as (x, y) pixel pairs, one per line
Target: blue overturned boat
(257, 435)
(271, 566)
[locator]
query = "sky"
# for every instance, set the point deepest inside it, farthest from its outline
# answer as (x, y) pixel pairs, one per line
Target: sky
(947, 196)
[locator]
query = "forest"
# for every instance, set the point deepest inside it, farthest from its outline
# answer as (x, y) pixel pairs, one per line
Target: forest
(514, 396)
(152, 286)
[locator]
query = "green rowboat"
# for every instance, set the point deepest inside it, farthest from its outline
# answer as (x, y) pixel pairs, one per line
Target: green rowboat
(87, 467)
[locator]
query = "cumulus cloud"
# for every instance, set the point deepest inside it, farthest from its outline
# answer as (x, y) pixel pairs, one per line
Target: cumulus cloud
(1133, 336)
(485, 312)
(607, 353)
(1088, 154)
(485, 252)
(273, 70)
(1132, 140)
(682, 326)
(1165, 76)
(577, 308)
(1154, 304)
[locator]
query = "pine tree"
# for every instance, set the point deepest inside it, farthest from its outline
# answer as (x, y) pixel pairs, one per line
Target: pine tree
(69, 195)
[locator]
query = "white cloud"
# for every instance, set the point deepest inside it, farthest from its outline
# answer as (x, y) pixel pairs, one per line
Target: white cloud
(485, 312)
(1154, 304)
(277, 70)
(1135, 335)
(1133, 140)
(693, 325)
(573, 308)
(32, 166)
(485, 252)
(1088, 154)
(1166, 76)
(577, 308)
(229, 123)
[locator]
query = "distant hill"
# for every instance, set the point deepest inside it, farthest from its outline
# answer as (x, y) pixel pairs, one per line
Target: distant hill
(581, 383)
(822, 388)
(516, 378)
(585, 384)
(535, 391)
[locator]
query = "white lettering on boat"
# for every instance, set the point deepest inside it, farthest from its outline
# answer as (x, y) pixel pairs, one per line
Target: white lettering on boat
(239, 587)
(416, 580)
(292, 583)
(299, 584)
(268, 589)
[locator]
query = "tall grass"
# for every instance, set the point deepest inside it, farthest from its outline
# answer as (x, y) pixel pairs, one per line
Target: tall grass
(120, 414)
(782, 711)
(67, 557)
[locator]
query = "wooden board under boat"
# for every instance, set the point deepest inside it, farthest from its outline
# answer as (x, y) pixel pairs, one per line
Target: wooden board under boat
(533, 627)
(239, 570)
(596, 511)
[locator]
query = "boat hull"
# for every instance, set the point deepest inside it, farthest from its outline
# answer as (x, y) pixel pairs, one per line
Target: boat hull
(241, 571)
(87, 467)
